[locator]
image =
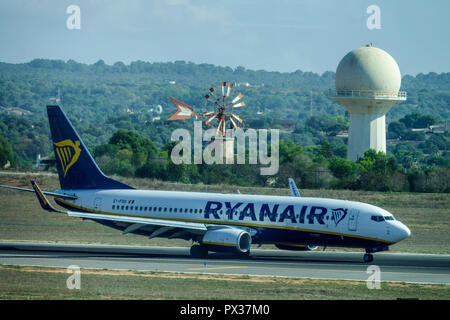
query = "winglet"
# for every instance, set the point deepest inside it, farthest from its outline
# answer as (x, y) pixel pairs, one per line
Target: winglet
(293, 188)
(42, 199)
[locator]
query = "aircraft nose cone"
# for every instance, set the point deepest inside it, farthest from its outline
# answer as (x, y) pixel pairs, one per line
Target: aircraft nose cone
(403, 232)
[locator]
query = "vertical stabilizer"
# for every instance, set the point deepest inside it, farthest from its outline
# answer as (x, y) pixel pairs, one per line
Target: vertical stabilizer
(76, 167)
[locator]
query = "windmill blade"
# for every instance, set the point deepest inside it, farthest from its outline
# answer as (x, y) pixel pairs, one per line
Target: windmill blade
(234, 123)
(222, 127)
(212, 94)
(219, 130)
(223, 88)
(238, 97)
(211, 98)
(238, 105)
(229, 89)
(210, 118)
(208, 114)
(236, 117)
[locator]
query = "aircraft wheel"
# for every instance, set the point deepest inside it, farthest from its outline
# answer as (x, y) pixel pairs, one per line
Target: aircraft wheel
(243, 254)
(368, 258)
(198, 251)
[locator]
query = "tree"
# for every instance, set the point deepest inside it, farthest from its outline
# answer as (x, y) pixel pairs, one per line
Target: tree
(396, 130)
(417, 120)
(127, 139)
(6, 153)
(376, 170)
(343, 168)
(325, 150)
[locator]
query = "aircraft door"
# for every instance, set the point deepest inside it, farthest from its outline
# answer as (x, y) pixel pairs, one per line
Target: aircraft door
(353, 220)
(98, 204)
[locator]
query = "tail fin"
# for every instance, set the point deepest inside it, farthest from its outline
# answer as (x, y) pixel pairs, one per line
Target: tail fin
(76, 167)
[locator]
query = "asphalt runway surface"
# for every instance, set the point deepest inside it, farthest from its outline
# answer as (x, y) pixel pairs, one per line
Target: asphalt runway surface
(330, 265)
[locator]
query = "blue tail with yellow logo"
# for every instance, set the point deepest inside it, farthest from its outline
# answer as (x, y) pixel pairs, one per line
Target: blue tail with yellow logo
(76, 167)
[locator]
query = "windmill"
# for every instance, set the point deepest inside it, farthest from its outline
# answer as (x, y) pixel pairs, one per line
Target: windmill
(219, 109)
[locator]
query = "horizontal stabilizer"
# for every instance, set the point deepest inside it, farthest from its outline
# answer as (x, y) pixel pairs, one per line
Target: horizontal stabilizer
(53, 194)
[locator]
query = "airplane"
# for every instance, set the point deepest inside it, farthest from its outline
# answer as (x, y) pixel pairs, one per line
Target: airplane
(215, 222)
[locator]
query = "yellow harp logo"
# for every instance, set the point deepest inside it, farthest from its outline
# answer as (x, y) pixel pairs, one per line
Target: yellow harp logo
(68, 153)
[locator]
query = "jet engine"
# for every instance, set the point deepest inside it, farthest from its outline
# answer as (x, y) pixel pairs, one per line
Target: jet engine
(227, 239)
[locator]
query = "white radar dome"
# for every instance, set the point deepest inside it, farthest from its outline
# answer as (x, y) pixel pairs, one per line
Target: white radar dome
(368, 69)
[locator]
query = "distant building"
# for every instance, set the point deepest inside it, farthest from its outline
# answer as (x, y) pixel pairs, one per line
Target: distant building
(43, 163)
(15, 110)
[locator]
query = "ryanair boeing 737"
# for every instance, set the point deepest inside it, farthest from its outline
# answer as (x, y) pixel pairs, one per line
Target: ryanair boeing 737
(215, 222)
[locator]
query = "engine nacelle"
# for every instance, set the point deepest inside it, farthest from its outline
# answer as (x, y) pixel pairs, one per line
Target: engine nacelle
(227, 239)
(296, 247)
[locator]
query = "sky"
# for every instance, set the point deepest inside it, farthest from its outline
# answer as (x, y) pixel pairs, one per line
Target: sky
(281, 35)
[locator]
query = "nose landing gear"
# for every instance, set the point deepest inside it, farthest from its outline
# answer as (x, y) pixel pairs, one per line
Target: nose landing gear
(368, 257)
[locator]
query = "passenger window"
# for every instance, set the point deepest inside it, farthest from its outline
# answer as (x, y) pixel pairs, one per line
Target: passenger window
(165, 209)
(113, 207)
(200, 210)
(195, 211)
(170, 209)
(186, 210)
(159, 209)
(122, 207)
(190, 210)
(126, 208)
(175, 210)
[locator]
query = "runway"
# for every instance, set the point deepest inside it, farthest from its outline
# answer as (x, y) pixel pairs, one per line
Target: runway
(394, 267)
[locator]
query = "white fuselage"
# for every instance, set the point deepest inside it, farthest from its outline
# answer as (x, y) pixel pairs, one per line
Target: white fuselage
(276, 219)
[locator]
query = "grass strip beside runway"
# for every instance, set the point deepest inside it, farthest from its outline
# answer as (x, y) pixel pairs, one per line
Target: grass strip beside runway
(50, 283)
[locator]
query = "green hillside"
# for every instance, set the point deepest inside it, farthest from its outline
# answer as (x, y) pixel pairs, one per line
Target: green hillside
(101, 99)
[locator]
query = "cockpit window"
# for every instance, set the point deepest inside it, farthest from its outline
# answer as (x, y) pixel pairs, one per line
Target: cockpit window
(377, 218)
(388, 218)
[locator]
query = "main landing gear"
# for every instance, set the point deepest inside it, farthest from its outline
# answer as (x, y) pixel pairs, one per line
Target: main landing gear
(199, 251)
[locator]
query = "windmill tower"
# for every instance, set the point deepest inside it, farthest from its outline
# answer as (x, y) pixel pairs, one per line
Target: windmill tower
(219, 113)
(367, 81)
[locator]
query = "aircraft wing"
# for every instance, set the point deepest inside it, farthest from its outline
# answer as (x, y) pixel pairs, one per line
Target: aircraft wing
(132, 223)
(53, 194)
(146, 221)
